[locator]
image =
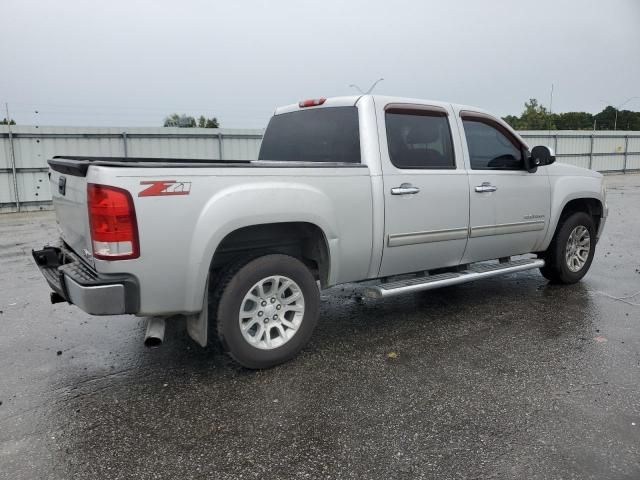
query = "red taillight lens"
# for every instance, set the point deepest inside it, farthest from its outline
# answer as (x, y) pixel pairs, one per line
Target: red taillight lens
(314, 102)
(112, 216)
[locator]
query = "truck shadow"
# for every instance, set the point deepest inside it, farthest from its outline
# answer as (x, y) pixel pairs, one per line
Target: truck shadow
(360, 328)
(524, 301)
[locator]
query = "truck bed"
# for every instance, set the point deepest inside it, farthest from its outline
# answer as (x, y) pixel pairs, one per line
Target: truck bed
(178, 234)
(78, 165)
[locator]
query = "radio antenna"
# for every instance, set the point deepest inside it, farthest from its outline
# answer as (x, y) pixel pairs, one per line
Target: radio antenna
(373, 85)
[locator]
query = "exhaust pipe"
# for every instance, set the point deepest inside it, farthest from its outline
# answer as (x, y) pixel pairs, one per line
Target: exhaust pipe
(155, 332)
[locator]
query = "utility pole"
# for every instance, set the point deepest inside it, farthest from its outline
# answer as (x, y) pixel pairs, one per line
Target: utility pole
(550, 107)
(13, 158)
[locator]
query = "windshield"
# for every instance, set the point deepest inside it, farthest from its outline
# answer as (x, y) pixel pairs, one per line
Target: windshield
(316, 135)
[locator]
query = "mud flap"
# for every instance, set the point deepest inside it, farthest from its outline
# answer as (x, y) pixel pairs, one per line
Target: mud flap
(197, 324)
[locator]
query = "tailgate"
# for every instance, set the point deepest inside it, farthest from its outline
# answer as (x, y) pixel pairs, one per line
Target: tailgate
(69, 192)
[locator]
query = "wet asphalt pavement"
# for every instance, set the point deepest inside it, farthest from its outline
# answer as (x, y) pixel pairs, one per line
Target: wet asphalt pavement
(505, 378)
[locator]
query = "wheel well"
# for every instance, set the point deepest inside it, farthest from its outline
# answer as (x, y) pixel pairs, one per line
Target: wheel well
(302, 240)
(591, 206)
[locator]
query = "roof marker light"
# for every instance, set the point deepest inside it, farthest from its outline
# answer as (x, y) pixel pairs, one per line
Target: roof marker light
(314, 102)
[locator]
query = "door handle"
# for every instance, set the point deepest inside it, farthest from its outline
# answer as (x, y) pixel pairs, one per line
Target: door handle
(405, 189)
(486, 187)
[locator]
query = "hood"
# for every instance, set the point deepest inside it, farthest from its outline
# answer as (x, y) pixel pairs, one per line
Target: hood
(561, 169)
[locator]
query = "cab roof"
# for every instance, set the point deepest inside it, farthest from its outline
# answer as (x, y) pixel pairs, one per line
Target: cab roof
(352, 100)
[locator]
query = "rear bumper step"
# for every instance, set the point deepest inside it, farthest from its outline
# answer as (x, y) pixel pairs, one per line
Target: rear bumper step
(75, 282)
(430, 282)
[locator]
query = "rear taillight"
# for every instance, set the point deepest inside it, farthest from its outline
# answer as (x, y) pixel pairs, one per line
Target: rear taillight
(314, 102)
(112, 216)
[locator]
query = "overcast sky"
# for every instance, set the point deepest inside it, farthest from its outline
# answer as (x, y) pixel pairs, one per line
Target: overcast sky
(131, 62)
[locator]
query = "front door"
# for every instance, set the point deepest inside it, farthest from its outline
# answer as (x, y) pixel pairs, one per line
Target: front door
(426, 191)
(509, 207)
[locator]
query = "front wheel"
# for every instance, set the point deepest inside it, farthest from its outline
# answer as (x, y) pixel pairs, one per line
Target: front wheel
(267, 310)
(571, 251)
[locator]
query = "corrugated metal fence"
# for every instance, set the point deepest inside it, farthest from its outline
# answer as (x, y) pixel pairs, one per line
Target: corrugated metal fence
(25, 150)
(604, 151)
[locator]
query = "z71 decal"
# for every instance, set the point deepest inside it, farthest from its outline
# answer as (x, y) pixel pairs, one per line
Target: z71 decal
(159, 188)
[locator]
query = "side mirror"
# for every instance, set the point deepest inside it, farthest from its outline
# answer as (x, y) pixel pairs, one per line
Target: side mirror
(540, 156)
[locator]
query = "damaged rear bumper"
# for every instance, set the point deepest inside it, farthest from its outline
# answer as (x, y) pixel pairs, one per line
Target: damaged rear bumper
(79, 284)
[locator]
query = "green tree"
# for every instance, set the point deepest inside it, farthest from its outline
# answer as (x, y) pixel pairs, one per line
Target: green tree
(606, 119)
(574, 121)
(182, 121)
(626, 119)
(535, 117)
(212, 123)
(204, 122)
(513, 121)
(185, 121)
(5, 122)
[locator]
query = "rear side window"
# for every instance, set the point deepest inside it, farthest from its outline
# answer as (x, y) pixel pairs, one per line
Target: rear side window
(419, 139)
(315, 135)
(491, 147)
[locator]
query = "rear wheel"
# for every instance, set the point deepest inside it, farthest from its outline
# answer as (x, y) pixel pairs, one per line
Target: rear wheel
(571, 251)
(267, 310)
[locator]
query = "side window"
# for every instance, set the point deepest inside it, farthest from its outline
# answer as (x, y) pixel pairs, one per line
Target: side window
(419, 139)
(490, 148)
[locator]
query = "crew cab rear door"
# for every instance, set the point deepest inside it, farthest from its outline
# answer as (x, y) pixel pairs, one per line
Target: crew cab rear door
(509, 207)
(426, 191)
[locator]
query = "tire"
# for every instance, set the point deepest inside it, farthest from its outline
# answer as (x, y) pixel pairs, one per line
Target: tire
(561, 266)
(279, 301)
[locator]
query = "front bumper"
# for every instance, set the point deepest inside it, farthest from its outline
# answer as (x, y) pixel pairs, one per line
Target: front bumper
(79, 284)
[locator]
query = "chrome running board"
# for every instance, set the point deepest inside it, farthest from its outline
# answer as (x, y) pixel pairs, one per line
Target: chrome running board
(476, 271)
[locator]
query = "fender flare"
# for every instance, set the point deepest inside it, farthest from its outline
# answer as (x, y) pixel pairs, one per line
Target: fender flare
(271, 202)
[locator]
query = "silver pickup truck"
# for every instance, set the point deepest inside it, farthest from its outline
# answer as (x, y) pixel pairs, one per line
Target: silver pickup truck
(399, 194)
